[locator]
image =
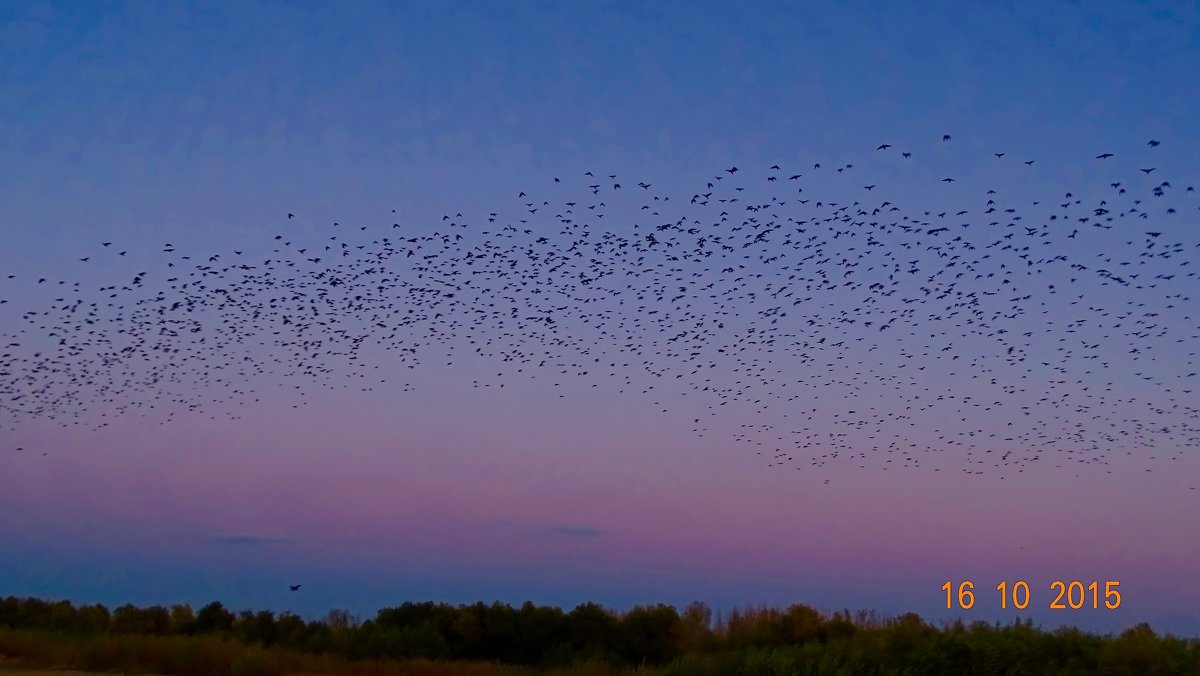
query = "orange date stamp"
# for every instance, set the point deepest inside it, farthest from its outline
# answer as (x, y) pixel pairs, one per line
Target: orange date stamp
(1063, 595)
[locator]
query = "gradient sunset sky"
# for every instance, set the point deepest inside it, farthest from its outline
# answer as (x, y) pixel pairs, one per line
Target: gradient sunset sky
(204, 124)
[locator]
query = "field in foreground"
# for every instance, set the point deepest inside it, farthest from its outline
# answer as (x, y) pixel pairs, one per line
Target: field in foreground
(28, 672)
(428, 639)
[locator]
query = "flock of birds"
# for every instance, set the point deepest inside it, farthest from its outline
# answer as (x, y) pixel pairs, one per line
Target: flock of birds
(994, 334)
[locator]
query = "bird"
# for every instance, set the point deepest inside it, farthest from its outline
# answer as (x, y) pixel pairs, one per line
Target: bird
(295, 587)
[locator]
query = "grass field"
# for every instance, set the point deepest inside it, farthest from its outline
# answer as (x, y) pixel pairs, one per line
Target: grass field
(27, 672)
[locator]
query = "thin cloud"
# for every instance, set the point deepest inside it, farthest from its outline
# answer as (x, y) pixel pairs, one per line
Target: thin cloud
(575, 531)
(508, 530)
(246, 539)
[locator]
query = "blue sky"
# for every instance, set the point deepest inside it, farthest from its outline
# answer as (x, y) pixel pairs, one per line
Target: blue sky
(203, 124)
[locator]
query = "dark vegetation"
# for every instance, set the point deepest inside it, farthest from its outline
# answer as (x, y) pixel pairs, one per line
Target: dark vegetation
(433, 639)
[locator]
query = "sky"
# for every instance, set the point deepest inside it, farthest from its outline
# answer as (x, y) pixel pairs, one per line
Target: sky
(205, 124)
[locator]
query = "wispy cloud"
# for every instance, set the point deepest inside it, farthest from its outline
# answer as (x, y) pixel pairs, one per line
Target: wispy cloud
(574, 531)
(247, 539)
(507, 530)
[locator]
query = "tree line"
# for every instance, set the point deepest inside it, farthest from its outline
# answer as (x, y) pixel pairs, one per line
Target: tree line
(797, 639)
